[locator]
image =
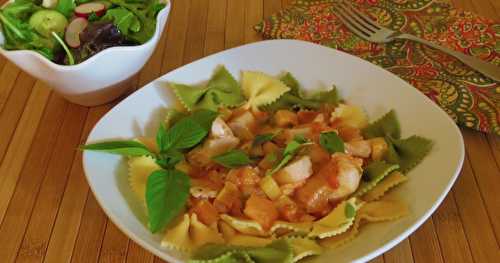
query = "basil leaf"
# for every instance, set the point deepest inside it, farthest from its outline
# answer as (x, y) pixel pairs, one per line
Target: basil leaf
(331, 142)
(173, 116)
(127, 148)
(292, 147)
(281, 164)
(161, 138)
(290, 150)
(204, 118)
(262, 138)
(271, 157)
(166, 194)
(233, 159)
(185, 134)
(300, 138)
(169, 159)
(349, 211)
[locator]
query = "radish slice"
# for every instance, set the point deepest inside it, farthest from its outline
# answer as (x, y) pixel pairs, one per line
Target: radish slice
(72, 35)
(84, 10)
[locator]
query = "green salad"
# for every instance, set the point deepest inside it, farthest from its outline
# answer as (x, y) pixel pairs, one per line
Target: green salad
(68, 32)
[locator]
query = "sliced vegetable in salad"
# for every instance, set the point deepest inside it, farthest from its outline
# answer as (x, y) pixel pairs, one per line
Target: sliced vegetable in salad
(68, 32)
(257, 172)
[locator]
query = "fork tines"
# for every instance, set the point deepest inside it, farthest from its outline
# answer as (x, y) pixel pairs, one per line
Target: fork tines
(356, 21)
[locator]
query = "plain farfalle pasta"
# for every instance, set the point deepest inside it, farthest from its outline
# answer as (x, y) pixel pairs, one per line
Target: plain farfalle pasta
(337, 221)
(139, 170)
(392, 180)
(189, 233)
(261, 89)
(370, 212)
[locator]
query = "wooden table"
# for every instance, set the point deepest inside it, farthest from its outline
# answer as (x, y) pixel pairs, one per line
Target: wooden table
(48, 214)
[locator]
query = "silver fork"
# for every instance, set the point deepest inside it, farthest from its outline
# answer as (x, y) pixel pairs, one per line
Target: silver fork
(368, 29)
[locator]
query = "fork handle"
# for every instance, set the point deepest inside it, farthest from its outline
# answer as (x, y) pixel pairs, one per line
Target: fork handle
(487, 69)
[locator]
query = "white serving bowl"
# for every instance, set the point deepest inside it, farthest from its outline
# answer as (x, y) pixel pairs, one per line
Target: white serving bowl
(96, 80)
(358, 81)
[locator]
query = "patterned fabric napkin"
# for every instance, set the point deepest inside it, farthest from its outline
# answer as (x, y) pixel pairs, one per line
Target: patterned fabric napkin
(471, 99)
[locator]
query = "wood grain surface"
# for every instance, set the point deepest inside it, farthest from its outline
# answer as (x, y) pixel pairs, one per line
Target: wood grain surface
(48, 214)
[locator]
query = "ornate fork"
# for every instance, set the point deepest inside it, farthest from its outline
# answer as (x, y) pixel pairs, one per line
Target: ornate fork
(366, 28)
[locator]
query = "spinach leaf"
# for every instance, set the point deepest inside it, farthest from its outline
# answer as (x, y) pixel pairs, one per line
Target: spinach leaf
(66, 7)
(20, 9)
(146, 13)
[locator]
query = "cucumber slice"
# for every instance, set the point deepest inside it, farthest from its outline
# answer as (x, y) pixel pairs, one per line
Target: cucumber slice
(47, 21)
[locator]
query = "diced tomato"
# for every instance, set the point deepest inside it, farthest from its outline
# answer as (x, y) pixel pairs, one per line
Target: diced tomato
(335, 123)
(261, 116)
(267, 162)
(248, 190)
(236, 209)
(206, 212)
(285, 118)
(261, 210)
(239, 111)
(318, 155)
(289, 210)
(243, 176)
(348, 133)
(270, 147)
(227, 198)
(249, 175)
(205, 183)
(216, 177)
(306, 116)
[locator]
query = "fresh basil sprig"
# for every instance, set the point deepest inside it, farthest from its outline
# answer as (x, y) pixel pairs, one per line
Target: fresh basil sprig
(331, 142)
(167, 189)
(232, 159)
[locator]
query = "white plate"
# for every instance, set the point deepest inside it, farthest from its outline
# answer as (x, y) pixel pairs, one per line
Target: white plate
(314, 66)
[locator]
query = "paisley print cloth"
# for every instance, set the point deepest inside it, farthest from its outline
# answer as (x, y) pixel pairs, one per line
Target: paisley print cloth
(471, 99)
